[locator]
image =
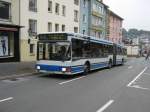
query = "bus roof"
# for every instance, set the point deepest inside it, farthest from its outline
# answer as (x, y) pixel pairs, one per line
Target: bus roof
(93, 39)
(119, 45)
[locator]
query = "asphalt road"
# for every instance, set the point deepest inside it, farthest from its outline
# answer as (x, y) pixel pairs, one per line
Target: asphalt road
(120, 89)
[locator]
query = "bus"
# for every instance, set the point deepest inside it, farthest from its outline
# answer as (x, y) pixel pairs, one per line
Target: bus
(72, 53)
(120, 54)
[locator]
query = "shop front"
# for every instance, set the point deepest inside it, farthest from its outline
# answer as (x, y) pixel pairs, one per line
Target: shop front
(9, 43)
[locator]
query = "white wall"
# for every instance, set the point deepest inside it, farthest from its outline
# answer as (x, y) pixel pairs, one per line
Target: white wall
(15, 12)
(133, 50)
(43, 16)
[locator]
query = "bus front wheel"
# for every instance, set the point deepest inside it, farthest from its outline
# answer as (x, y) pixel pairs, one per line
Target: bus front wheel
(86, 68)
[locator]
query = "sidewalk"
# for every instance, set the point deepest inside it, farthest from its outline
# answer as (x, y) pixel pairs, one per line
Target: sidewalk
(16, 69)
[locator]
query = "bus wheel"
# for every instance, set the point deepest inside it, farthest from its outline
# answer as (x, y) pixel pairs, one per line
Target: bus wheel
(110, 64)
(86, 68)
(122, 63)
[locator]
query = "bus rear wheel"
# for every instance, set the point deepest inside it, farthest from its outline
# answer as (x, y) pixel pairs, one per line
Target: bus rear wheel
(122, 63)
(86, 68)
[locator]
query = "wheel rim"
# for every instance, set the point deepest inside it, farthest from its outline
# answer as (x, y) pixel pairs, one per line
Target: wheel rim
(122, 62)
(86, 69)
(110, 65)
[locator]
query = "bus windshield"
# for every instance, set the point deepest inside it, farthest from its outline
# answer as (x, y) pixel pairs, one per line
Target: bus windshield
(56, 51)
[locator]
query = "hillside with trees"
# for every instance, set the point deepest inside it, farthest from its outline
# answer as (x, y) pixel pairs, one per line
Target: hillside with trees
(135, 33)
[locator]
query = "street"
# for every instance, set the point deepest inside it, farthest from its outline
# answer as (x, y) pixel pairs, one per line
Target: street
(119, 89)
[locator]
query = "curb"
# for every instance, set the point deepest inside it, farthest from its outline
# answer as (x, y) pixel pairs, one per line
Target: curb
(18, 75)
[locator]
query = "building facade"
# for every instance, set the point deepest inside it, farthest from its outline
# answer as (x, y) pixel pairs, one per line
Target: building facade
(114, 33)
(85, 7)
(36, 16)
(45, 16)
(93, 18)
(9, 31)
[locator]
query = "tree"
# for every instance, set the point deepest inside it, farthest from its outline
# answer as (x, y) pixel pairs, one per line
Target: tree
(124, 33)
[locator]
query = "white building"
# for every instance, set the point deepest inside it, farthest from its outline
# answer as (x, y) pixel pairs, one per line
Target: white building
(37, 16)
(133, 50)
(9, 31)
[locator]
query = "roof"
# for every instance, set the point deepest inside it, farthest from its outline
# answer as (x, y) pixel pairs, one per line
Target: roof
(103, 4)
(120, 45)
(114, 14)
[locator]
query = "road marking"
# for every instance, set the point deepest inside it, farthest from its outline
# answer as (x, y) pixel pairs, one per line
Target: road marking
(130, 67)
(147, 74)
(105, 106)
(137, 77)
(139, 87)
(7, 99)
(71, 80)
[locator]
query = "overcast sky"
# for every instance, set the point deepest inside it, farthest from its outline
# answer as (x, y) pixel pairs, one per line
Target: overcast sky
(136, 13)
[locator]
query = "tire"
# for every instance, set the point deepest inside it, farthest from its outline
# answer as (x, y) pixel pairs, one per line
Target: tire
(122, 63)
(86, 68)
(110, 64)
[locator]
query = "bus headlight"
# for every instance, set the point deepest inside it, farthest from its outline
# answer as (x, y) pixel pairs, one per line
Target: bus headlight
(64, 69)
(38, 67)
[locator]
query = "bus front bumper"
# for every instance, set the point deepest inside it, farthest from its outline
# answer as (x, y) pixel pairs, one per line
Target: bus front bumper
(65, 70)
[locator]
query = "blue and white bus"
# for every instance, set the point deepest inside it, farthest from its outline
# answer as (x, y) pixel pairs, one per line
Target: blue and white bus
(120, 54)
(71, 53)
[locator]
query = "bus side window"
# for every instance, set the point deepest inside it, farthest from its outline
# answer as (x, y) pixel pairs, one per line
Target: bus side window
(77, 48)
(105, 50)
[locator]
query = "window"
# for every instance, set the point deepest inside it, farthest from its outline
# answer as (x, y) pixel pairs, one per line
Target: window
(75, 15)
(7, 44)
(32, 47)
(63, 28)
(76, 2)
(77, 49)
(94, 7)
(33, 5)
(100, 9)
(57, 51)
(84, 18)
(64, 10)
(82, 48)
(32, 27)
(5, 10)
(97, 21)
(57, 9)
(49, 27)
(50, 6)
(75, 29)
(99, 34)
(56, 27)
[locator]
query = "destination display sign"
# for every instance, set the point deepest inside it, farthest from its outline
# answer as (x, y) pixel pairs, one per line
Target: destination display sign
(52, 37)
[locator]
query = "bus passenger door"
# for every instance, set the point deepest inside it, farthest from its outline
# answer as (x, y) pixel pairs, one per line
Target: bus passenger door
(114, 54)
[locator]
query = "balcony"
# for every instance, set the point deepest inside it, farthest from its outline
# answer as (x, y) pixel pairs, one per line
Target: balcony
(95, 13)
(97, 27)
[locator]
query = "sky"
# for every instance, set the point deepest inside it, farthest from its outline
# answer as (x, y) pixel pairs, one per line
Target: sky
(136, 13)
